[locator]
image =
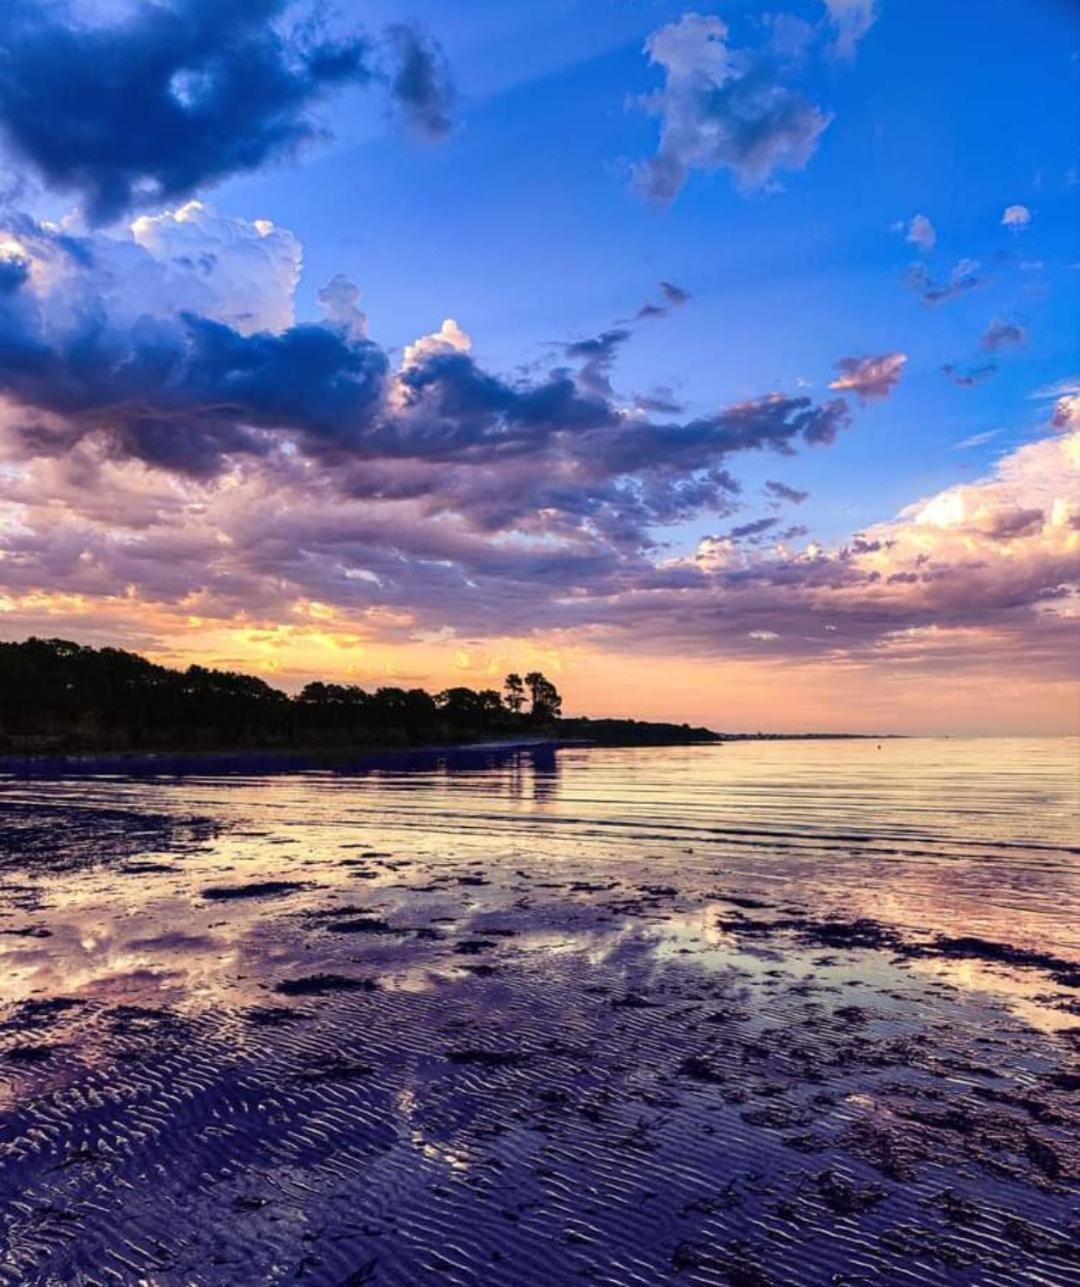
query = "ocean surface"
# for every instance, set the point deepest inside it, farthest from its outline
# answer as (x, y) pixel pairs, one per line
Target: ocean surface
(766, 1012)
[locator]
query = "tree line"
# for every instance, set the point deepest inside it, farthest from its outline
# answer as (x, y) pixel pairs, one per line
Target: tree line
(56, 692)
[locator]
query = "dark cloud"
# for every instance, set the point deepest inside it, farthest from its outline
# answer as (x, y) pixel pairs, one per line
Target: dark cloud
(722, 108)
(14, 272)
(597, 356)
(421, 82)
(559, 453)
(757, 528)
(783, 492)
(672, 296)
(999, 335)
(662, 401)
(184, 392)
(180, 95)
(772, 422)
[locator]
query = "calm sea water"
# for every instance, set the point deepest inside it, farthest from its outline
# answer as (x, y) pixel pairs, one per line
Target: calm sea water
(978, 834)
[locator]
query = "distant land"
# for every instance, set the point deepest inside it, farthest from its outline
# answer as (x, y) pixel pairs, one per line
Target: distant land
(60, 697)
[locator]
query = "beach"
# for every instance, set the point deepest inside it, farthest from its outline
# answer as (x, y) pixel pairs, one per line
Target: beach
(751, 1014)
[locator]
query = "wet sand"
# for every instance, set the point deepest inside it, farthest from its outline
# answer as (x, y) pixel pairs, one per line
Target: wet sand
(421, 1029)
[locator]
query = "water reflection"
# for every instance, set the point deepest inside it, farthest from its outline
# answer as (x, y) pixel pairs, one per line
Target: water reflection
(929, 837)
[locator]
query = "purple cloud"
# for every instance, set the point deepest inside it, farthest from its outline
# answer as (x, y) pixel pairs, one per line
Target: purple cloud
(781, 491)
(869, 377)
(999, 335)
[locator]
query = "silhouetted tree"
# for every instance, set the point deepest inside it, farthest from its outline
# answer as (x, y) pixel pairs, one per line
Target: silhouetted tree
(514, 689)
(546, 702)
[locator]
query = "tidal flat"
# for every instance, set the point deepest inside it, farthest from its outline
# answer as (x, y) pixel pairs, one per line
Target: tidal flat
(760, 1013)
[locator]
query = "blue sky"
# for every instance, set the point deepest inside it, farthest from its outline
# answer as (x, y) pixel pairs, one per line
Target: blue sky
(523, 226)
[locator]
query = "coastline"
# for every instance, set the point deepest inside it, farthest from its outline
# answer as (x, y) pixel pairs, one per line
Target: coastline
(254, 758)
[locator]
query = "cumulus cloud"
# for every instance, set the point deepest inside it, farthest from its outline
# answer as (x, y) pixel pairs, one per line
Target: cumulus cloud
(339, 300)
(869, 377)
(147, 346)
(721, 108)
(851, 20)
(997, 337)
(1016, 218)
(421, 82)
(921, 233)
(103, 339)
(449, 338)
(243, 274)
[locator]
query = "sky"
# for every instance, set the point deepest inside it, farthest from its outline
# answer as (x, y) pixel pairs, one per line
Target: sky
(721, 362)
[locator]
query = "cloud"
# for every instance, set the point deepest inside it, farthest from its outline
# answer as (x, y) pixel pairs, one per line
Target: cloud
(166, 101)
(751, 530)
(966, 275)
(979, 579)
(999, 335)
(1066, 415)
(449, 338)
(721, 108)
(597, 356)
(975, 440)
(967, 377)
(339, 300)
(147, 345)
(672, 296)
(14, 273)
(851, 20)
(869, 377)
(781, 491)
(1016, 218)
(421, 82)
(242, 273)
(921, 233)
(105, 339)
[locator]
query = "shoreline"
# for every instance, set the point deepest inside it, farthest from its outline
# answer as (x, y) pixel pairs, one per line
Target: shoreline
(239, 758)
